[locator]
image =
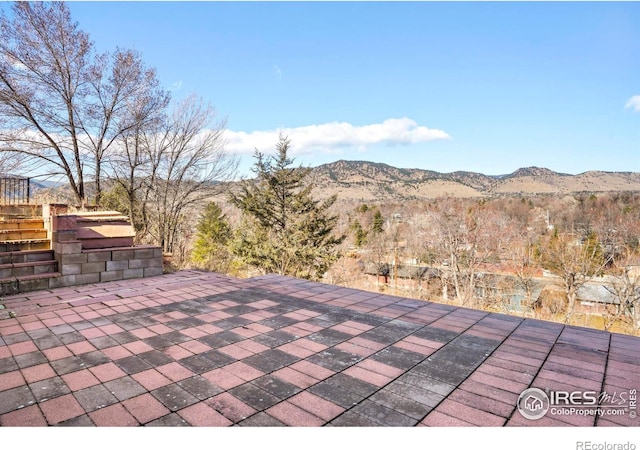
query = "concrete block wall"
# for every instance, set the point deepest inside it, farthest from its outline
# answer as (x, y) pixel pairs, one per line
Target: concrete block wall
(79, 265)
(110, 264)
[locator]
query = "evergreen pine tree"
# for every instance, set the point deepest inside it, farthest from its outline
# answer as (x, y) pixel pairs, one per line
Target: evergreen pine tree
(210, 249)
(284, 229)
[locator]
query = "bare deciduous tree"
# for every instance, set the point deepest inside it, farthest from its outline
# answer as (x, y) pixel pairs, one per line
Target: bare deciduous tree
(170, 165)
(59, 102)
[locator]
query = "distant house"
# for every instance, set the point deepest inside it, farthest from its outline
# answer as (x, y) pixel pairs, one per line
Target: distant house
(406, 276)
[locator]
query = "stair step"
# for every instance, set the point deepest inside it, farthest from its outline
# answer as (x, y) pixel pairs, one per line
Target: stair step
(28, 268)
(17, 257)
(24, 244)
(18, 224)
(15, 285)
(22, 234)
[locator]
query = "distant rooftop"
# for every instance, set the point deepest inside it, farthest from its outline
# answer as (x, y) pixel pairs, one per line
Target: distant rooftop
(202, 349)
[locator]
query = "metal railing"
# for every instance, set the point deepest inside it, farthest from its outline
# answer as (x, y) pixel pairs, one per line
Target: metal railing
(15, 190)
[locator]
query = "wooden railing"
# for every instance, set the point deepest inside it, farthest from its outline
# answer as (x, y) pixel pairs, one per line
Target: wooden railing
(15, 190)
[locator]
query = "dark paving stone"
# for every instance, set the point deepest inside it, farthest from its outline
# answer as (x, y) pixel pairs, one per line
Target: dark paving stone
(95, 397)
(174, 397)
(40, 333)
(276, 387)
(71, 338)
(400, 325)
(252, 395)
(49, 388)
(277, 322)
(269, 341)
(199, 364)
(178, 324)
(261, 419)
(80, 421)
(128, 325)
(8, 365)
(329, 337)
(15, 398)
(239, 310)
(335, 394)
(436, 334)
(476, 343)
(419, 387)
(92, 359)
(334, 359)
(124, 388)
(225, 324)
(323, 321)
(398, 357)
(199, 387)
(158, 342)
(358, 387)
(449, 373)
(213, 341)
(385, 334)
(281, 309)
(124, 337)
(278, 337)
(270, 360)
(403, 405)
(62, 329)
(232, 322)
(370, 319)
(101, 321)
(170, 420)
(132, 364)
(103, 342)
(47, 342)
(219, 358)
(193, 307)
(230, 337)
(67, 365)
(353, 419)
(16, 338)
(458, 355)
(175, 337)
(144, 321)
(30, 359)
(83, 325)
(155, 358)
(382, 415)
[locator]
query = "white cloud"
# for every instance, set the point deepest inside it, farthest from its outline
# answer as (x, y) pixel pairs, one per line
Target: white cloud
(334, 136)
(176, 86)
(277, 71)
(634, 103)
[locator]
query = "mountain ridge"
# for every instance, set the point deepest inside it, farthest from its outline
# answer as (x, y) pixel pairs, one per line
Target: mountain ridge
(366, 180)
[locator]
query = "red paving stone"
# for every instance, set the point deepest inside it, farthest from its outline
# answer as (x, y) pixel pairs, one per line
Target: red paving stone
(37, 373)
(107, 372)
(145, 408)
(294, 416)
(231, 407)
(80, 379)
(113, 416)
(174, 371)
(31, 416)
(151, 379)
(10, 380)
(216, 389)
(60, 409)
(223, 378)
(202, 415)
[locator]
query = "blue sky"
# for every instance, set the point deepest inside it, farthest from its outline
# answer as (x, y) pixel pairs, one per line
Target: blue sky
(484, 87)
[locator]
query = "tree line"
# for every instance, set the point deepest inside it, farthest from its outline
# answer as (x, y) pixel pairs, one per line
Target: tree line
(104, 123)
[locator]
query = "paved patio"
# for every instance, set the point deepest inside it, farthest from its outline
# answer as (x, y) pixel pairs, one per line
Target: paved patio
(202, 349)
